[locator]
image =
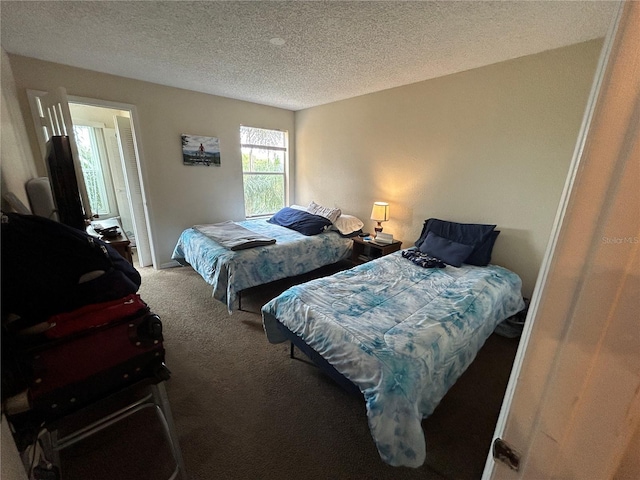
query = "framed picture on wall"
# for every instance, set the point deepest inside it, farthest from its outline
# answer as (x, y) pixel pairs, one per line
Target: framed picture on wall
(199, 150)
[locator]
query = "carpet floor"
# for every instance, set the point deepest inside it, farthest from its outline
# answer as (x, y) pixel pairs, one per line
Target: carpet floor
(244, 410)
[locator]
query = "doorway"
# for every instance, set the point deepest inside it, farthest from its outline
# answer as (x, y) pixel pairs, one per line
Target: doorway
(108, 154)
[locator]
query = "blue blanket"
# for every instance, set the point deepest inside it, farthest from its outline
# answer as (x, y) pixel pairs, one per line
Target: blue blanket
(400, 332)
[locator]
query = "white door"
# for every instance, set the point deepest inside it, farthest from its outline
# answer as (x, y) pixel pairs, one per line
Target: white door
(572, 408)
(52, 117)
(133, 184)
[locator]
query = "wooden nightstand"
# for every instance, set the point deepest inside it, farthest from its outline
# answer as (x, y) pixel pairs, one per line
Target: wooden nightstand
(364, 251)
(120, 243)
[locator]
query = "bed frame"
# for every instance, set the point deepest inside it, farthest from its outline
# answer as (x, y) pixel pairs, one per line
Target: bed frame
(317, 360)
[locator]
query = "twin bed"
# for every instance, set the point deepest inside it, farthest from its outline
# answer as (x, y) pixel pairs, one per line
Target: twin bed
(401, 333)
(397, 332)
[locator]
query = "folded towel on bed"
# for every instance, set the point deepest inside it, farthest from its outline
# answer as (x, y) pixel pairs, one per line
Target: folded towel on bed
(234, 236)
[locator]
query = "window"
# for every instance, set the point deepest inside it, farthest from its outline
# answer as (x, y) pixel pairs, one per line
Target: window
(95, 169)
(264, 166)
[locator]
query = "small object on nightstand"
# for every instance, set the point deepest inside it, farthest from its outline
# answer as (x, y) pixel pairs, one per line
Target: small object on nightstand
(366, 249)
(384, 238)
(111, 232)
(364, 234)
(114, 236)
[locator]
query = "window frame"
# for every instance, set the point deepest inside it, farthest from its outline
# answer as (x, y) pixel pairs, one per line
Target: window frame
(97, 129)
(285, 171)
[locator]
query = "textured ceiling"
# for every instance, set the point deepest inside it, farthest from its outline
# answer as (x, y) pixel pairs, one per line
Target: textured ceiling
(332, 50)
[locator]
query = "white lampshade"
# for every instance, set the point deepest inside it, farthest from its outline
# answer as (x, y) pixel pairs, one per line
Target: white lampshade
(380, 212)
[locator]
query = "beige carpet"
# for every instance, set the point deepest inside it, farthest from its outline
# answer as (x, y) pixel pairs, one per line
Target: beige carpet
(244, 410)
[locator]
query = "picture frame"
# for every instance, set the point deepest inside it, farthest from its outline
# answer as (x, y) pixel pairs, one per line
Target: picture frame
(200, 150)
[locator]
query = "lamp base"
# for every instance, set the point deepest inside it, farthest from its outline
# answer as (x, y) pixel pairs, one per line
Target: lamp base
(378, 229)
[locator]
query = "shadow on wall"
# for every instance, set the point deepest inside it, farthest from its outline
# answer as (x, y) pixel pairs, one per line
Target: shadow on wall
(514, 249)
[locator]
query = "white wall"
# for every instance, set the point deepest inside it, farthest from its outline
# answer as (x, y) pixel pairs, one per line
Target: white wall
(489, 145)
(179, 196)
(16, 158)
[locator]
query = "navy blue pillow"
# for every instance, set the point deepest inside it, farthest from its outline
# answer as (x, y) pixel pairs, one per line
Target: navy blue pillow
(475, 234)
(481, 255)
(450, 252)
(300, 221)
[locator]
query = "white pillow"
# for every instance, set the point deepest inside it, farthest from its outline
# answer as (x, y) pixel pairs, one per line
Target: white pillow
(298, 207)
(331, 214)
(347, 224)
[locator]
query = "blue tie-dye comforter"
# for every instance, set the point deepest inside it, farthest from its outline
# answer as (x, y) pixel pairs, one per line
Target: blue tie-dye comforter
(232, 271)
(400, 332)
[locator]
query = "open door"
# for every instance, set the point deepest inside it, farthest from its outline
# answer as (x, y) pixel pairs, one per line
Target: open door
(42, 103)
(572, 408)
(52, 117)
(134, 188)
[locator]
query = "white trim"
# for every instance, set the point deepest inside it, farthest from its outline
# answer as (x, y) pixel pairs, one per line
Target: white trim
(171, 264)
(32, 96)
(88, 123)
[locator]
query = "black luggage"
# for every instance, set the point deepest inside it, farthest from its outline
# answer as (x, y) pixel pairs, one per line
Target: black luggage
(49, 267)
(75, 334)
(74, 329)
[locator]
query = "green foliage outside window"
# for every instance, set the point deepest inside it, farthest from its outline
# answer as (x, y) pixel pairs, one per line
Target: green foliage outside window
(91, 169)
(253, 163)
(263, 194)
(263, 166)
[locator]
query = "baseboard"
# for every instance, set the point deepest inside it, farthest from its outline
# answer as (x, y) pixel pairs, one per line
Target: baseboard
(170, 264)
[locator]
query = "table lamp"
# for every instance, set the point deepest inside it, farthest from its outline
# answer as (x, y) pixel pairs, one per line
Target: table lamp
(380, 213)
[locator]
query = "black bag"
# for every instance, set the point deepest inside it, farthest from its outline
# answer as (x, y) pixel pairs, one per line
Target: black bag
(49, 268)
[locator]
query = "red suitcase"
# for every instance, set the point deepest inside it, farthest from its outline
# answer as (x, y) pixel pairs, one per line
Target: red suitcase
(88, 354)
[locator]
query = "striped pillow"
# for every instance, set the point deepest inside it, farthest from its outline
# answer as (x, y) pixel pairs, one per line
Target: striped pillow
(330, 214)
